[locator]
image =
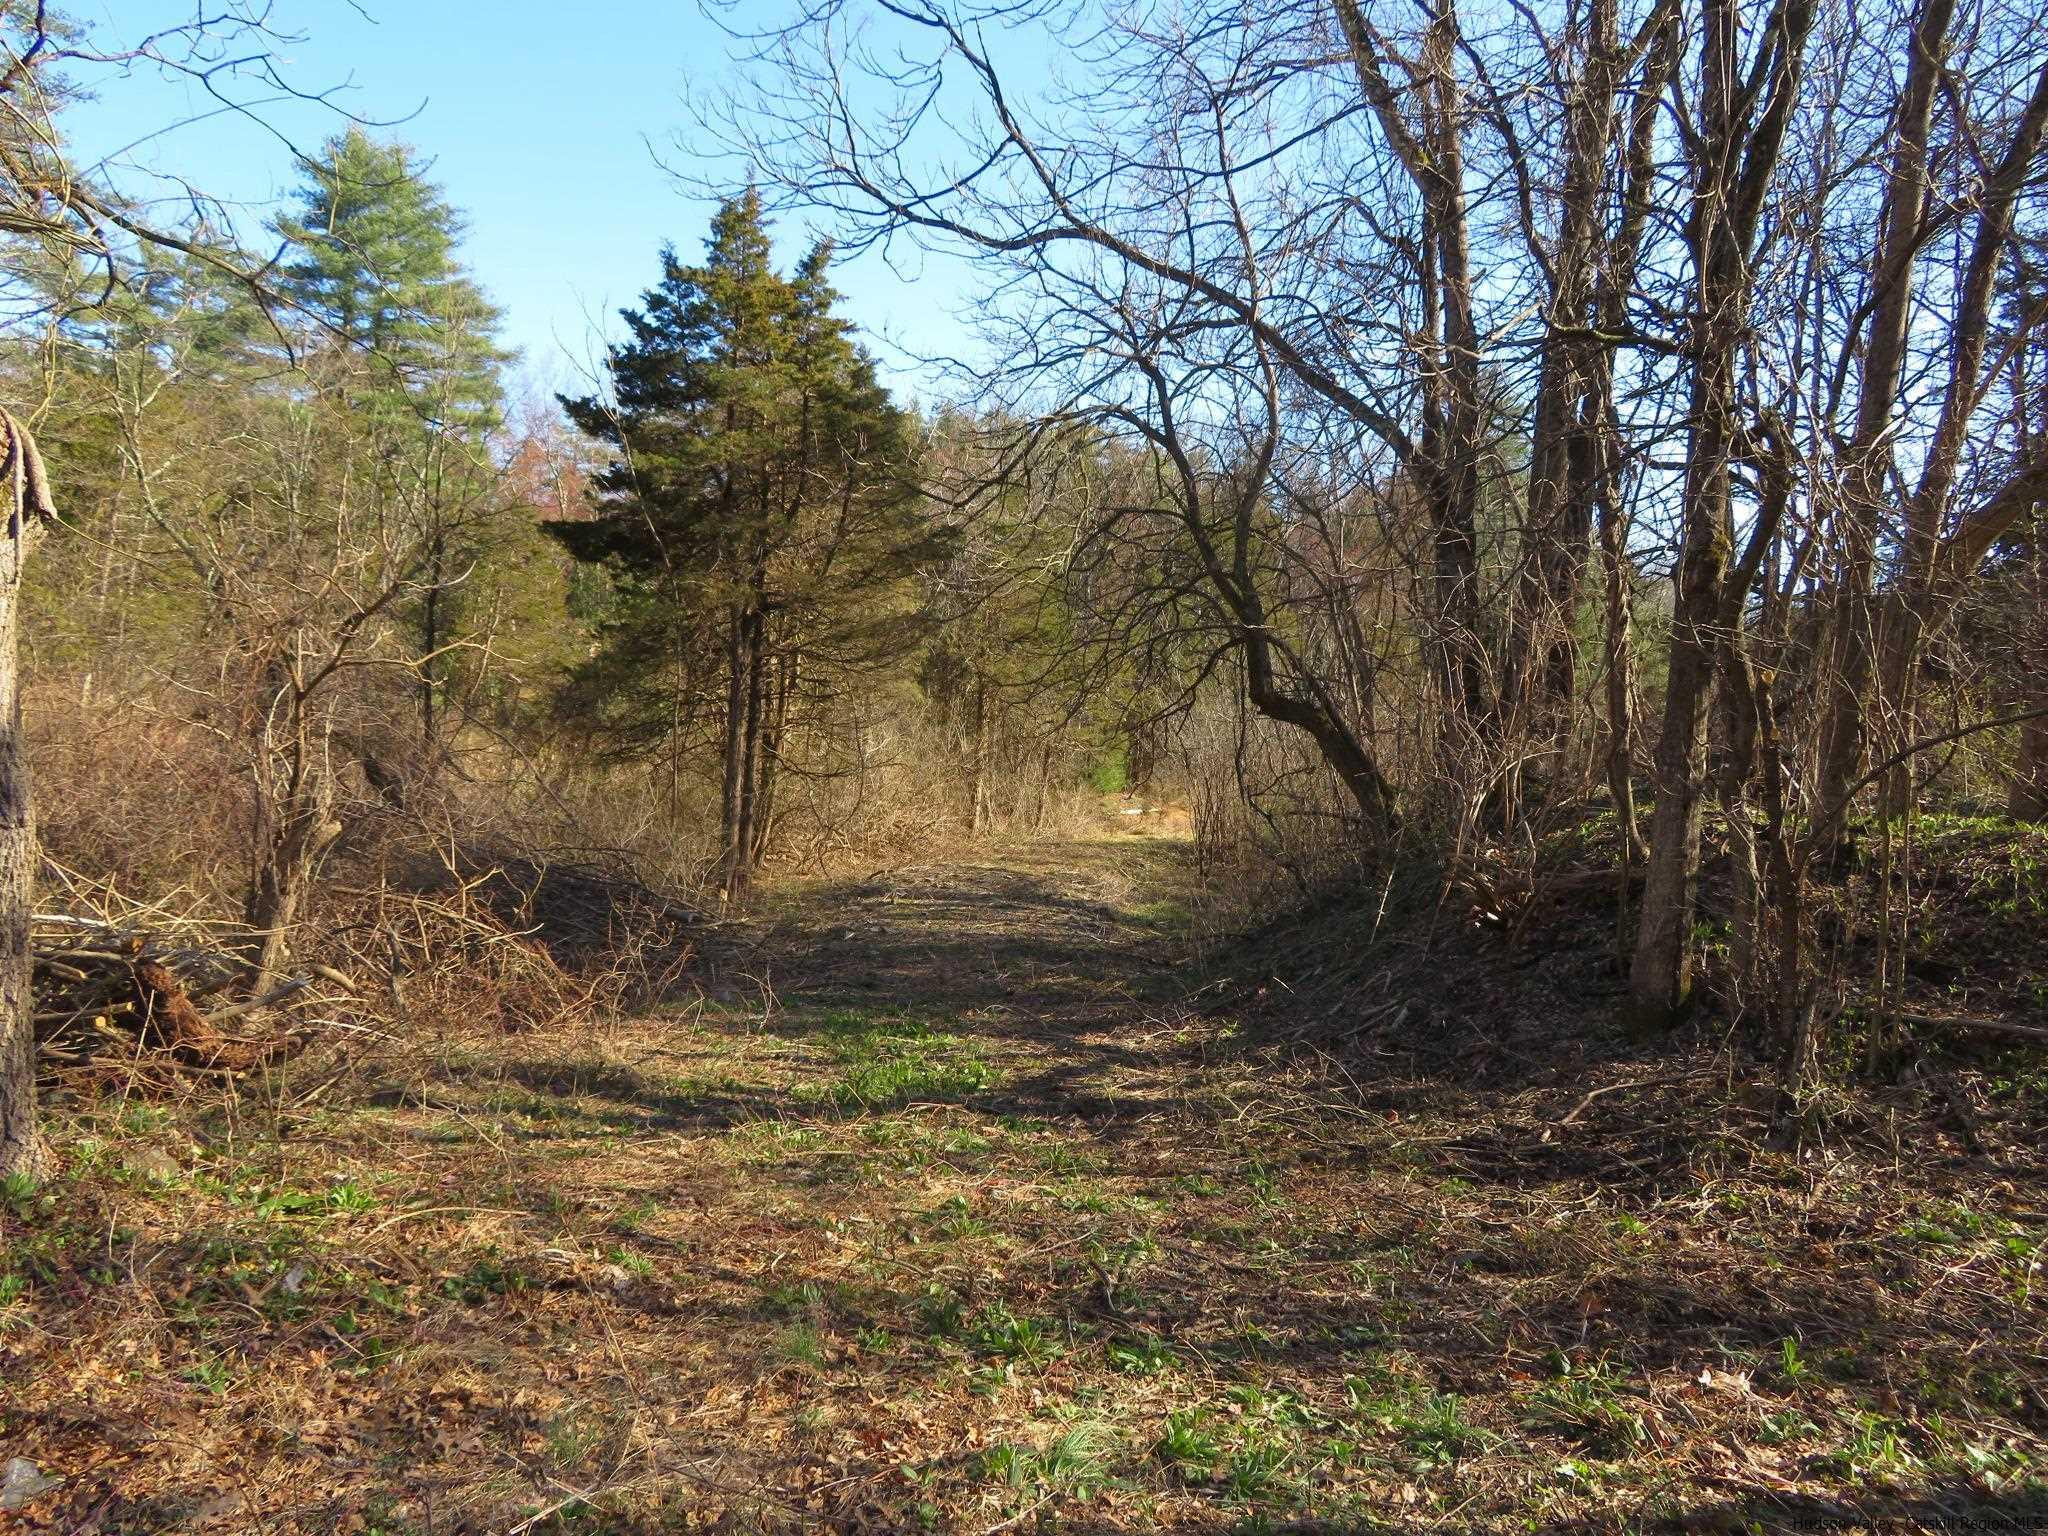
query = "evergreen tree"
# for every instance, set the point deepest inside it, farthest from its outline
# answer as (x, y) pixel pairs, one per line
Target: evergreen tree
(759, 516)
(410, 350)
(374, 262)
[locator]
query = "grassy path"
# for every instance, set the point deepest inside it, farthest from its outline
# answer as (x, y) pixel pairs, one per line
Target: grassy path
(942, 1211)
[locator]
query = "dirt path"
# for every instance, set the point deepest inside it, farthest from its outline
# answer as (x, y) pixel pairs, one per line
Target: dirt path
(1060, 965)
(941, 1211)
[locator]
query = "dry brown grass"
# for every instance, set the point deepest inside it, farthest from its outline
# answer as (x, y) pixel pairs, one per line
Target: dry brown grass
(939, 1207)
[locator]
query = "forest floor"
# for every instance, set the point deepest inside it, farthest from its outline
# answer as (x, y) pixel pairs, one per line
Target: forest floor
(952, 1205)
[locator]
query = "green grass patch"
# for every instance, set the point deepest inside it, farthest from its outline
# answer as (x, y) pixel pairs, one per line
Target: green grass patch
(886, 1061)
(1074, 1464)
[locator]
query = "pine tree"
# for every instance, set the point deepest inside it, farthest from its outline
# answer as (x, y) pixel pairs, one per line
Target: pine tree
(410, 350)
(759, 516)
(374, 262)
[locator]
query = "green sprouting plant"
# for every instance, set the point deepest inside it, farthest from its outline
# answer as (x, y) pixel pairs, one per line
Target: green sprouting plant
(1188, 1445)
(13, 1288)
(941, 1313)
(1065, 1161)
(1115, 1264)
(350, 1196)
(211, 1375)
(1075, 1463)
(1790, 1365)
(1261, 1404)
(1432, 1424)
(1438, 1432)
(17, 1191)
(988, 1380)
(139, 1119)
(793, 1298)
(2021, 1262)
(956, 1221)
(912, 1077)
(1584, 1404)
(1874, 1451)
(572, 1437)
(484, 1279)
(638, 1265)
(1254, 1467)
(1262, 1181)
(999, 1331)
(800, 1345)
(1994, 1465)
(1142, 1355)
(1786, 1424)
(1078, 1458)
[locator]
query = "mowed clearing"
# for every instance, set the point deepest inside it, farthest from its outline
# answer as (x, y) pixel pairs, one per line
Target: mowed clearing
(954, 1203)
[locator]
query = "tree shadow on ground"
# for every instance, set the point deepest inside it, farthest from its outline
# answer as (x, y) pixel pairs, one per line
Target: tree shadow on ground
(1951, 1509)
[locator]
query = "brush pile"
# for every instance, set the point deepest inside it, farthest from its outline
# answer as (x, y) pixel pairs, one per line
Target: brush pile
(106, 991)
(508, 943)
(467, 944)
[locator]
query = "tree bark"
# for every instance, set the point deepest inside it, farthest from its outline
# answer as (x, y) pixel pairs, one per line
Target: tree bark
(1617, 283)
(293, 827)
(1450, 446)
(2027, 797)
(1870, 460)
(21, 1145)
(731, 850)
(741, 875)
(774, 734)
(1572, 403)
(1738, 158)
(430, 635)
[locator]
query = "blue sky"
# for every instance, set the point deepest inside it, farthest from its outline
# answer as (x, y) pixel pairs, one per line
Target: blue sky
(538, 118)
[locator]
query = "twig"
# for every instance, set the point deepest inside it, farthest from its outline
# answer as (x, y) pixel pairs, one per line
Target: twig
(1586, 1103)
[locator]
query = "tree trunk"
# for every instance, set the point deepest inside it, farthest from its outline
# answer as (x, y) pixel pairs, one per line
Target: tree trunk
(1342, 750)
(1570, 419)
(1620, 661)
(1660, 979)
(2027, 796)
(1734, 177)
(750, 759)
(21, 1145)
(1451, 444)
(1738, 771)
(980, 815)
(293, 828)
(1617, 284)
(430, 635)
(731, 852)
(774, 734)
(1870, 460)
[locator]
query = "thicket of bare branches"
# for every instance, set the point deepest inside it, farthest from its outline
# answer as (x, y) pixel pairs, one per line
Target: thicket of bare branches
(1459, 350)
(1402, 432)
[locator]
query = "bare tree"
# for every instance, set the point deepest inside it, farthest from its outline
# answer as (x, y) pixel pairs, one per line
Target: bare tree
(1745, 109)
(1714, 282)
(61, 226)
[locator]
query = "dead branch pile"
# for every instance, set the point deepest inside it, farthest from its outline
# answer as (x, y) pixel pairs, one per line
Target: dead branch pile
(463, 944)
(513, 945)
(106, 989)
